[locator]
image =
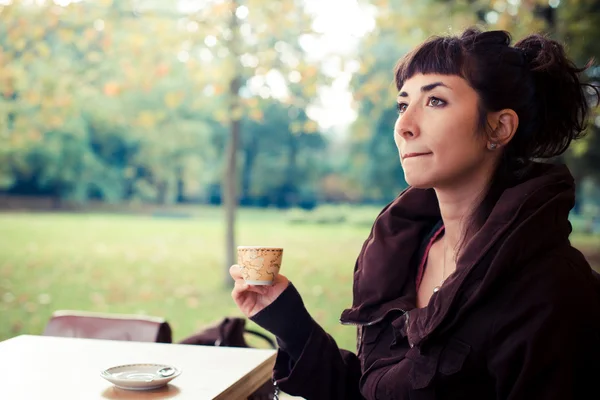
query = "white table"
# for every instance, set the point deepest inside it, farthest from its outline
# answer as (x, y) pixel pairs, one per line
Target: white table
(42, 367)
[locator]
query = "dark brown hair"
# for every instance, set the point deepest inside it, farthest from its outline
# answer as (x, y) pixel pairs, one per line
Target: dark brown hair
(534, 78)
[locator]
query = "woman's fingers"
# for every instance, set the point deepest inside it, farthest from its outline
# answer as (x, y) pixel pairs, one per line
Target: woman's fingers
(238, 289)
(257, 289)
(242, 287)
(235, 271)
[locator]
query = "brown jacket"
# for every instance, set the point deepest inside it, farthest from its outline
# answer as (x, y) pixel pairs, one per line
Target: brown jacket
(519, 319)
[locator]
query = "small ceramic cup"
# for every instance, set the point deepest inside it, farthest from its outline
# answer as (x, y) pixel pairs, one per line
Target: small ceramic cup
(260, 264)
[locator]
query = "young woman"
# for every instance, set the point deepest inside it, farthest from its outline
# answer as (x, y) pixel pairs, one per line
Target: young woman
(467, 286)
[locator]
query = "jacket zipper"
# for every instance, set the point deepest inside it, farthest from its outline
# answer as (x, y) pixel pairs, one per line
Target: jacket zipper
(369, 323)
(356, 323)
(363, 324)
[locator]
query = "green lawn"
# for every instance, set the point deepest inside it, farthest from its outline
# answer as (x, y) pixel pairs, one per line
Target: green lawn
(166, 267)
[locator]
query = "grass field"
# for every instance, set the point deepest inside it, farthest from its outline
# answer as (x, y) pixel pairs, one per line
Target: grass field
(159, 266)
(169, 267)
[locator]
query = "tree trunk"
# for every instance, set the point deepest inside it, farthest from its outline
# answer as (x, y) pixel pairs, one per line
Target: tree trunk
(230, 198)
(291, 181)
(250, 152)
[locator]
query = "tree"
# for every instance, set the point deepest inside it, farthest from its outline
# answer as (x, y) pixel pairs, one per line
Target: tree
(400, 26)
(578, 24)
(82, 84)
(374, 161)
(258, 53)
(139, 99)
(292, 159)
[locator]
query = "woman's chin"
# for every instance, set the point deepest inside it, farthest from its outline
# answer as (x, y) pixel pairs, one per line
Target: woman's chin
(418, 182)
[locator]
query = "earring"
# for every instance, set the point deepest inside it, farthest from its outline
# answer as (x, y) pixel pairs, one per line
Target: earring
(493, 146)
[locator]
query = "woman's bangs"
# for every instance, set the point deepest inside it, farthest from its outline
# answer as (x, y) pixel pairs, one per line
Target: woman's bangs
(442, 56)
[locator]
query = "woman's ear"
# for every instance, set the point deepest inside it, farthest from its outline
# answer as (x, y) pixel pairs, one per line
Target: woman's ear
(504, 124)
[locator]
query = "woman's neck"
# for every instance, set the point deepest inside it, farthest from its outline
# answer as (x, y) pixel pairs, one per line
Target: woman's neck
(456, 207)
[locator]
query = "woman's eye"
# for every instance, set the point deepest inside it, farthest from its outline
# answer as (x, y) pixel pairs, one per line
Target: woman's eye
(435, 102)
(401, 107)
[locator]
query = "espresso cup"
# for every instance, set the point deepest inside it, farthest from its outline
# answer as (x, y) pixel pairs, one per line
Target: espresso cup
(260, 264)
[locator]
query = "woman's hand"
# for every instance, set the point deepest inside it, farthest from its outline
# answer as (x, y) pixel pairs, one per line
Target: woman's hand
(251, 299)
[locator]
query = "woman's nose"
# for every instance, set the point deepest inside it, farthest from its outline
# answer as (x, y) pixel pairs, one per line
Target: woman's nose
(406, 125)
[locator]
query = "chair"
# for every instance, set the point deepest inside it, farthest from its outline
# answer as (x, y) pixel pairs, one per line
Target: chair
(93, 325)
(228, 332)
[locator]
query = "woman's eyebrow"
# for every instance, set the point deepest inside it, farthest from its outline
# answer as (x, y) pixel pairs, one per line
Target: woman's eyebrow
(426, 88)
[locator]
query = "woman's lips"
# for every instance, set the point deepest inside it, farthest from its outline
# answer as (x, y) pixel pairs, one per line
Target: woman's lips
(412, 155)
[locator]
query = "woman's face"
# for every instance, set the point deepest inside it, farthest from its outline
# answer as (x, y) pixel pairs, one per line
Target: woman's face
(437, 132)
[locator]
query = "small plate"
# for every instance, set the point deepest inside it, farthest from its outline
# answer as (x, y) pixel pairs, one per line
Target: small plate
(139, 376)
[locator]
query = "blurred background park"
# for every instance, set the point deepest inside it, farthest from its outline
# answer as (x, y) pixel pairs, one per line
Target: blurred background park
(140, 140)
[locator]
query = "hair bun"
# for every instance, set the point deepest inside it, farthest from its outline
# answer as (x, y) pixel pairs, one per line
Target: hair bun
(544, 54)
(477, 37)
(528, 56)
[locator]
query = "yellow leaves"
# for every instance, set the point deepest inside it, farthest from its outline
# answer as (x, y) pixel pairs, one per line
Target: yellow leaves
(256, 115)
(296, 127)
(200, 77)
(130, 172)
(310, 90)
(289, 8)
(145, 119)
(311, 126)
(361, 130)
(42, 49)
(94, 56)
(16, 141)
(580, 147)
(147, 85)
(20, 44)
(366, 63)
(106, 42)
(236, 113)
(46, 103)
(308, 72)
(218, 89)
(221, 9)
(385, 4)
(66, 35)
(63, 101)
(35, 135)
(7, 82)
(131, 73)
(90, 34)
(37, 32)
(32, 97)
(221, 115)
(52, 20)
(111, 89)
(268, 57)
(55, 121)
(162, 69)
(137, 42)
(251, 102)
(173, 99)
(27, 58)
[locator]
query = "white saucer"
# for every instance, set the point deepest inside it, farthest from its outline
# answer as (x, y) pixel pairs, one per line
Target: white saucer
(259, 283)
(139, 376)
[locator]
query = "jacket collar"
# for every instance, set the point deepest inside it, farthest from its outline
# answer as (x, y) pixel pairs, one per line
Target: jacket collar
(528, 218)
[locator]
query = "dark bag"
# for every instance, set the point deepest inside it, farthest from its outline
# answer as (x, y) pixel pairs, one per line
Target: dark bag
(230, 333)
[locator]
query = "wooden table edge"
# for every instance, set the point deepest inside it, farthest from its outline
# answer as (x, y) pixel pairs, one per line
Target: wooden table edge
(250, 382)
